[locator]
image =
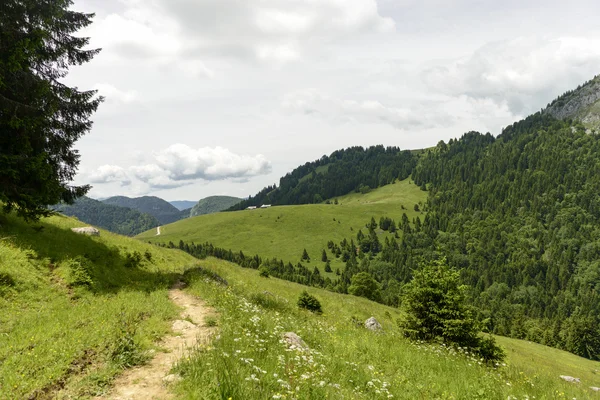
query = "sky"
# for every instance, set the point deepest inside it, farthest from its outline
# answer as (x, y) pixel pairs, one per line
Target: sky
(224, 97)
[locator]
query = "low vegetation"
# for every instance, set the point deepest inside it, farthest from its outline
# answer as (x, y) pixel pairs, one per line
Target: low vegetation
(73, 311)
(250, 359)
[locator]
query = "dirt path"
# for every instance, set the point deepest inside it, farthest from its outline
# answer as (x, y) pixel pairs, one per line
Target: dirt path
(148, 381)
(157, 230)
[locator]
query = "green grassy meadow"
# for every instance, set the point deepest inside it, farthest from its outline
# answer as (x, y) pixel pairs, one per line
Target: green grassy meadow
(249, 360)
(75, 310)
(284, 231)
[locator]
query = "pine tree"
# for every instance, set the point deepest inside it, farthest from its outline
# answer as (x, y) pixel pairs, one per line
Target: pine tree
(324, 256)
(305, 256)
(40, 117)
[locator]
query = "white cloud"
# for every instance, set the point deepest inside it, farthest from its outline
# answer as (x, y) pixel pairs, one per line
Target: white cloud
(108, 174)
(181, 165)
(275, 31)
(314, 102)
(525, 73)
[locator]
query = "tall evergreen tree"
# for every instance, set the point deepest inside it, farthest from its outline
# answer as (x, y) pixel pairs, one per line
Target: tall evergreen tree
(41, 117)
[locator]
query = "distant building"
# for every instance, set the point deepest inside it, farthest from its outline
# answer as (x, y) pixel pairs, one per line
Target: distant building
(251, 208)
(265, 206)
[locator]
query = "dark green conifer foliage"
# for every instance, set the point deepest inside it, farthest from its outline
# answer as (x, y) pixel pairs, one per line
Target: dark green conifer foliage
(41, 117)
(309, 302)
(436, 309)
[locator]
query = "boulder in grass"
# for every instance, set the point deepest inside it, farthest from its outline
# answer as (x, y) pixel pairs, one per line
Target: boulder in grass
(294, 341)
(570, 379)
(373, 325)
(88, 230)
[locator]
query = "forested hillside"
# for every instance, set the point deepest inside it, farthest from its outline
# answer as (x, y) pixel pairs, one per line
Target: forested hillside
(517, 215)
(124, 221)
(213, 204)
(520, 217)
(162, 210)
(344, 171)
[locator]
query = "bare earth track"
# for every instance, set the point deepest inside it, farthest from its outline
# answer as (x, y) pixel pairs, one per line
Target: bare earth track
(148, 381)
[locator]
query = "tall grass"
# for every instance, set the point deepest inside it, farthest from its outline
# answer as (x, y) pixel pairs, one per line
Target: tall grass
(250, 359)
(73, 312)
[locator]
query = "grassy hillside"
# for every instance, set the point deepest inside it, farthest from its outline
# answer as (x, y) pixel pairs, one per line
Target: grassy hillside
(250, 361)
(75, 310)
(213, 204)
(284, 231)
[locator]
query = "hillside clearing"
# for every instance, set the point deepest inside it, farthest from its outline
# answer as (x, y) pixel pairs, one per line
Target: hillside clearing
(284, 231)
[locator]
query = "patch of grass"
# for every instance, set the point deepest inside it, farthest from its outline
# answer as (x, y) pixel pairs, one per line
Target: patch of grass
(251, 361)
(284, 231)
(72, 314)
(211, 321)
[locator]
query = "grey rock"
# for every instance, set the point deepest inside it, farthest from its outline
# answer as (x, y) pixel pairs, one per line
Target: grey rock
(595, 389)
(88, 230)
(372, 324)
(570, 379)
(294, 341)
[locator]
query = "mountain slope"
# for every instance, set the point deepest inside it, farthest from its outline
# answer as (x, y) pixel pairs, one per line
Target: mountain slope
(283, 232)
(76, 310)
(121, 220)
(162, 210)
(581, 104)
(344, 171)
(520, 217)
(346, 361)
(213, 204)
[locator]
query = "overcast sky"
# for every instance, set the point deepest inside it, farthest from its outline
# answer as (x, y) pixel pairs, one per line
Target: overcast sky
(207, 97)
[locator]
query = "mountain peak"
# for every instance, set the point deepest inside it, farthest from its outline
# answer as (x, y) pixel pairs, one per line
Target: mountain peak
(581, 104)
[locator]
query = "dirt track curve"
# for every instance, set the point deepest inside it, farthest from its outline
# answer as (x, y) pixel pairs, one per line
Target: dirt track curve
(148, 381)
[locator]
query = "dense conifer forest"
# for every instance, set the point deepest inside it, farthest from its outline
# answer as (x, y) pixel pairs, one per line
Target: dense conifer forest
(344, 171)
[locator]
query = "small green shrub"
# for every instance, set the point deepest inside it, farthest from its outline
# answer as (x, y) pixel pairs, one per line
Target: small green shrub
(79, 272)
(6, 280)
(309, 302)
(489, 350)
(264, 272)
(126, 351)
(133, 260)
(210, 321)
(268, 301)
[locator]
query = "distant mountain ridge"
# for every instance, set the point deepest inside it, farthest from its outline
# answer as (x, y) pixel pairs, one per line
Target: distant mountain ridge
(213, 204)
(183, 204)
(122, 220)
(581, 104)
(161, 209)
